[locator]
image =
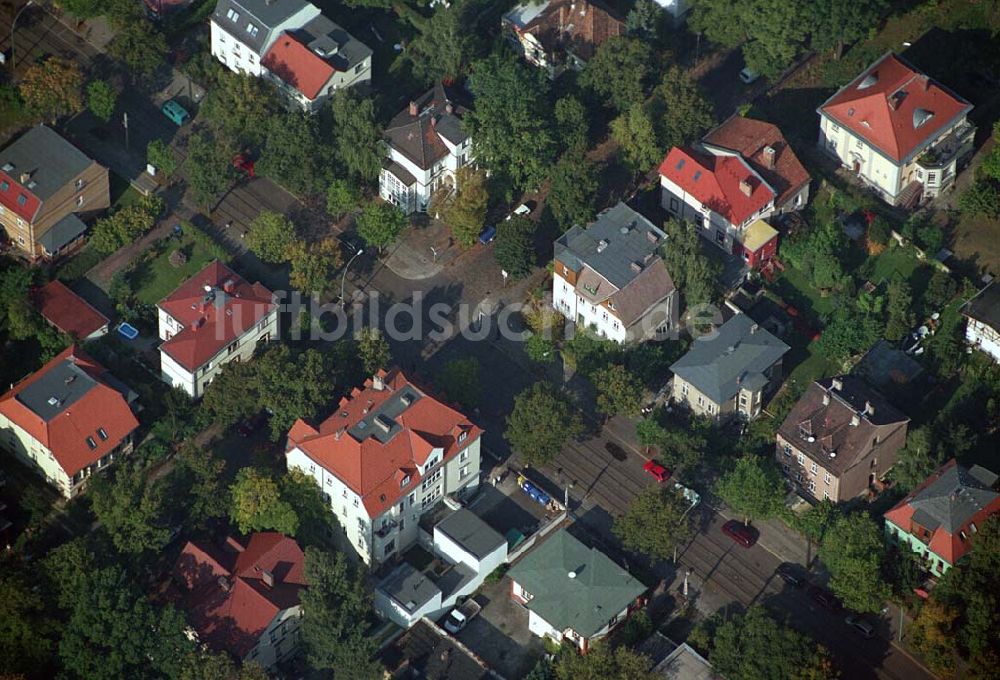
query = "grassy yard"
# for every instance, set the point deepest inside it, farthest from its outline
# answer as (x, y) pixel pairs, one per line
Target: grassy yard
(794, 289)
(155, 278)
(122, 193)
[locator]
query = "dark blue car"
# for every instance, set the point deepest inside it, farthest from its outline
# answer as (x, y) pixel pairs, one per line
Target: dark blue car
(487, 234)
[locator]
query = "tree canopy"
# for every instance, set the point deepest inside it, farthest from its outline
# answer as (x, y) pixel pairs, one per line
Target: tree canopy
(380, 224)
(618, 391)
(752, 488)
(459, 380)
(693, 273)
(463, 207)
(444, 44)
(514, 249)
(257, 504)
(101, 99)
(660, 507)
(852, 550)
(270, 236)
(358, 139)
(619, 72)
(572, 190)
(540, 423)
(131, 508)
(140, 46)
(602, 662)
(681, 112)
(636, 138)
(52, 88)
(373, 349)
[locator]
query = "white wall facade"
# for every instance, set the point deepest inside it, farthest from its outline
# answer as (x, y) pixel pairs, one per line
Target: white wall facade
(714, 227)
(416, 196)
(280, 639)
(983, 337)
(401, 616)
(237, 56)
(360, 73)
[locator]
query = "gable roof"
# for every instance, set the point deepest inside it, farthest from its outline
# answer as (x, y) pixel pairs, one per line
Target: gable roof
(736, 354)
(380, 434)
(751, 139)
(228, 601)
(51, 162)
(67, 311)
(234, 16)
(985, 306)
(895, 108)
(423, 138)
(578, 26)
(717, 181)
(830, 425)
(585, 601)
(215, 307)
(949, 502)
(73, 406)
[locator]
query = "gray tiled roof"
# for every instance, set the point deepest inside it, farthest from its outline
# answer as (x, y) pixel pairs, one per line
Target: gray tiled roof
(985, 307)
(471, 533)
(323, 35)
(954, 498)
(56, 390)
(417, 137)
(62, 233)
(409, 587)
(265, 15)
(739, 350)
(381, 423)
(598, 590)
(51, 160)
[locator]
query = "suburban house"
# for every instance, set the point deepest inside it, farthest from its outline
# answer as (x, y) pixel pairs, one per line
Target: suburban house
(69, 313)
(729, 371)
(67, 420)
(610, 276)
(740, 173)
(467, 550)
(685, 663)
(309, 64)
(426, 651)
(839, 439)
(982, 320)
(573, 592)
(213, 318)
(940, 518)
(559, 34)
(48, 188)
(387, 455)
(426, 145)
(242, 31)
(902, 133)
(241, 596)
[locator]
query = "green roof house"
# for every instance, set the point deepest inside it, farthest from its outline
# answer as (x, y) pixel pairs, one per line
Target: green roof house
(573, 592)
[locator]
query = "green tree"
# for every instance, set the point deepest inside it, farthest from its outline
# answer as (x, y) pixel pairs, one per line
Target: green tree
(444, 44)
(358, 141)
(852, 550)
(681, 112)
(660, 507)
(203, 665)
(815, 523)
(139, 46)
(308, 384)
(880, 231)
(463, 208)
(66, 569)
(335, 607)
(459, 380)
(270, 236)
(342, 197)
(83, 9)
(692, 271)
(619, 71)
(643, 19)
(126, 225)
(753, 488)
(777, 31)
(571, 193)
(619, 392)
(233, 394)
(901, 317)
(380, 224)
(101, 99)
(314, 266)
(540, 349)
(257, 504)
(572, 124)
(934, 634)
(918, 458)
(679, 448)
(848, 331)
(510, 126)
(131, 509)
(719, 21)
(514, 249)
(24, 627)
(295, 155)
(940, 290)
(240, 109)
(373, 349)
(208, 166)
(835, 24)
(633, 132)
(316, 522)
(52, 88)
(161, 157)
(540, 423)
(602, 662)
(202, 473)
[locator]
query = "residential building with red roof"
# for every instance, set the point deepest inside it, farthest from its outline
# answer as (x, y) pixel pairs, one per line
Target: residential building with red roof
(68, 312)
(48, 188)
(312, 62)
(242, 596)
(739, 174)
(389, 454)
(426, 144)
(939, 519)
(68, 420)
(213, 318)
(901, 132)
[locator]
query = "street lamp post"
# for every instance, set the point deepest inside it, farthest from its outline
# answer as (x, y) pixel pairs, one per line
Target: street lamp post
(343, 279)
(13, 60)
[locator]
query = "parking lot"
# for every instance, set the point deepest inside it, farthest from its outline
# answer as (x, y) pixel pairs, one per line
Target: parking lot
(500, 635)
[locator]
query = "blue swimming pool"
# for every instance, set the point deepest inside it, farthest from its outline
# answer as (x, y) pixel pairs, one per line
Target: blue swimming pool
(128, 331)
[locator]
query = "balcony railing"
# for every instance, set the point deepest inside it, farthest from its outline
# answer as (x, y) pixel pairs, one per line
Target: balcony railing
(945, 151)
(388, 529)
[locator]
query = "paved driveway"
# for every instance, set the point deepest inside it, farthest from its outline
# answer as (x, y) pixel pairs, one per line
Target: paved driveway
(500, 635)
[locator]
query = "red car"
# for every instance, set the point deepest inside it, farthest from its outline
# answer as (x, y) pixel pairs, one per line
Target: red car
(740, 532)
(660, 473)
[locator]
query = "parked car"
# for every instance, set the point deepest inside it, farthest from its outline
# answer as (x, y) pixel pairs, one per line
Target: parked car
(660, 473)
(792, 574)
(617, 452)
(487, 234)
(175, 112)
(825, 599)
(460, 616)
(740, 532)
(748, 75)
(859, 624)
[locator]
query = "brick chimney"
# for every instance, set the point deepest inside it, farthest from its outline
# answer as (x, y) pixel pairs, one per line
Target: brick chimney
(414, 111)
(25, 176)
(836, 384)
(267, 577)
(869, 409)
(770, 156)
(228, 286)
(234, 544)
(745, 187)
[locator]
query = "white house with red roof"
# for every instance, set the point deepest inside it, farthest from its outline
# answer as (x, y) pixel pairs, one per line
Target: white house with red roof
(242, 596)
(69, 313)
(388, 454)
(68, 420)
(901, 132)
(213, 318)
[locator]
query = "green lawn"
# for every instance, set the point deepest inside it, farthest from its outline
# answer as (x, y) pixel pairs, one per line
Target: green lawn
(122, 193)
(154, 279)
(892, 260)
(793, 287)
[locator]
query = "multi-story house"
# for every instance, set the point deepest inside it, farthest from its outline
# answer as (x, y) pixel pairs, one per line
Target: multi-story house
(739, 174)
(559, 34)
(939, 519)
(242, 31)
(609, 276)
(68, 420)
(311, 63)
(241, 596)
(426, 145)
(388, 455)
(900, 132)
(839, 439)
(48, 188)
(982, 320)
(729, 371)
(211, 319)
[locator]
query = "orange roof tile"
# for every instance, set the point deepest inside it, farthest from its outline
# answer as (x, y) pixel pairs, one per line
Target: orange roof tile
(716, 182)
(67, 311)
(298, 66)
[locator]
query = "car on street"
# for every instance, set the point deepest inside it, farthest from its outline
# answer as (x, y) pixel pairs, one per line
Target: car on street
(791, 574)
(740, 532)
(617, 452)
(864, 628)
(175, 112)
(825, 599)
(659, 473)
(460, 616)
(487, 234)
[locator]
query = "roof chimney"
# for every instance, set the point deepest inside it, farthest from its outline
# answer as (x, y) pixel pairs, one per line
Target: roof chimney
(855, 420)
(826, 399)
(753, 329)
(449, 108)
(268, 578)
(636, 266)
(224, 584)
(25, 176)
(434, 121)
(869, 409)
(228, 285)
(414, 111)
(745, 187)
(234, 544)
(770, 155)
(377, 383)
(837, 384)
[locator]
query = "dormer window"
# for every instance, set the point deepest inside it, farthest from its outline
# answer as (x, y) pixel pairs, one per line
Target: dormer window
(233, 15)
(102, 433)
(91, 443)
(404, 482)
(463, 436)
